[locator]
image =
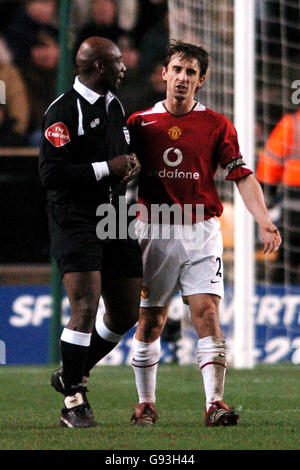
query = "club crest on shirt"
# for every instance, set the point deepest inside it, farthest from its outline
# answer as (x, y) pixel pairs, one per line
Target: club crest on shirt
(58, 134)
(174, 132)
(144, 293)
(126, 134)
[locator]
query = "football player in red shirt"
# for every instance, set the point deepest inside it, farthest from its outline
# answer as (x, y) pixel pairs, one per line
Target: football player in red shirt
(180, 144)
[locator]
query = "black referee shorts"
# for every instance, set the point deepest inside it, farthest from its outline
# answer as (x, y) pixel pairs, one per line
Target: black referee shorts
(76, 247)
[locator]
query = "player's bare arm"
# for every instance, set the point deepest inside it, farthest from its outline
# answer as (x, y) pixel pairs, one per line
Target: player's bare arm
(252, 195)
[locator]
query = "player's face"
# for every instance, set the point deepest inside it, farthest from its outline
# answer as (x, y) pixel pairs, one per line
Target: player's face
(182, 77)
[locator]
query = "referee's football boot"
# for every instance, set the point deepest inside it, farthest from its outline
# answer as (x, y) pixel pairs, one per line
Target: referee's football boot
(144, 414)
(75, 413)
(219, 414)
(57, 383)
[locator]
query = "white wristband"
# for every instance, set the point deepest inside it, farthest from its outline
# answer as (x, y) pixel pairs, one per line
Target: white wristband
(100, 169)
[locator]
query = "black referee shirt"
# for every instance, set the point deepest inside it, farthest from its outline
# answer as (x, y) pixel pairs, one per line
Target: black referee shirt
(81, 127)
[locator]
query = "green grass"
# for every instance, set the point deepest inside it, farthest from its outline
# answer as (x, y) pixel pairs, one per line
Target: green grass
(267, 398)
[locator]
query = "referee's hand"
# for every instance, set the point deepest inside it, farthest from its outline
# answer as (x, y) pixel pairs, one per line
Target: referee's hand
(134, 170)
(124, 167)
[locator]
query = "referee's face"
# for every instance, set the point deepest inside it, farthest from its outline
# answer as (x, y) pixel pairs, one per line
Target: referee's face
(113, 69)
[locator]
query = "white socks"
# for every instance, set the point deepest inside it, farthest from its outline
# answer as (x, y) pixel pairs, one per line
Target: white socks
(211, 359)
(144, 363)
(212, 363)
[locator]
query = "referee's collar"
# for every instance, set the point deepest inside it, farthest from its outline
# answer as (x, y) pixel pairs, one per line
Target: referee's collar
(90, 95)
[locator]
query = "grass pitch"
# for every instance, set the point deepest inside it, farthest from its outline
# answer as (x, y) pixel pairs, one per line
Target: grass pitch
(267, 398)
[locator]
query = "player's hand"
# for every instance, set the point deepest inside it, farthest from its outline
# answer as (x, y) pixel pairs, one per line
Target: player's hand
(270, 236)
(135, 169)
(120, 166)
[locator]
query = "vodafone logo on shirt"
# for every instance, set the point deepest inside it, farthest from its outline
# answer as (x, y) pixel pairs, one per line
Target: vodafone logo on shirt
(58, 134)
(173, 157)
(168, 161)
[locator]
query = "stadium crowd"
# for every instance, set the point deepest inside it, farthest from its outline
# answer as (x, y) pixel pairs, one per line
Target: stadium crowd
(29, 55)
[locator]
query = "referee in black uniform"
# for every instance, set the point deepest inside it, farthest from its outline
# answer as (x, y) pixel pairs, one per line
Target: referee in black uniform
(84, 163)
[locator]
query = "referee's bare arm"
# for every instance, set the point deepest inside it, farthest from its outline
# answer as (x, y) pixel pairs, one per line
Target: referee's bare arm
(253, 197)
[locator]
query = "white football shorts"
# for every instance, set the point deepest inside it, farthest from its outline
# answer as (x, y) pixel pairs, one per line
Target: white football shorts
(170, 265)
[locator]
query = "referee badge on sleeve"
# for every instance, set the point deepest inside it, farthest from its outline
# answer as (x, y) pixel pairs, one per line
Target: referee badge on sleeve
(126, 134)
(58, 134)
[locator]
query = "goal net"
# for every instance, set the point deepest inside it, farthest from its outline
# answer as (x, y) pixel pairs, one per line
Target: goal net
(276, 299)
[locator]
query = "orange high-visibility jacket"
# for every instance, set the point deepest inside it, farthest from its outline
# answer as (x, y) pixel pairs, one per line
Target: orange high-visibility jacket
(279, 162)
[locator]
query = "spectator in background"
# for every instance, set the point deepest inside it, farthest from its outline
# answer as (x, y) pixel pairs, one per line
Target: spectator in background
(279, 172)
(138, 16)
(8, 136)
(80, 13)
(103, 22)
(156, 89)
(7, 10)
(130, 93)
(133, 96)
(5, 55)
(28, 21)
(127, 14)
(158, 35)
(149, 13)
(15, 112)
(40, 75)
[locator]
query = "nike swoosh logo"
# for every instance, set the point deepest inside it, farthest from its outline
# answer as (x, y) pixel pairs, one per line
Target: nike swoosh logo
(214, 282)
(147, 123)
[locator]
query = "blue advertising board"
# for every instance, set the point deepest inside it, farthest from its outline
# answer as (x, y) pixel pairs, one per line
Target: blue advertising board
(26, 310)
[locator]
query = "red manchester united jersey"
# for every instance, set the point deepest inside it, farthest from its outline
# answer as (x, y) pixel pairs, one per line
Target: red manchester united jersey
(180, 155)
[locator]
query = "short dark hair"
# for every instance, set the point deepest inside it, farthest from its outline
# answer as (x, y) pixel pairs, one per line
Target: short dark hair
(188, 51)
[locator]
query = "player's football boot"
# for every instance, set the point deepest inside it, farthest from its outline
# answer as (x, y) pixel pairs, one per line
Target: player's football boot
(219, 414)
(144, 414)
(77, 416)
